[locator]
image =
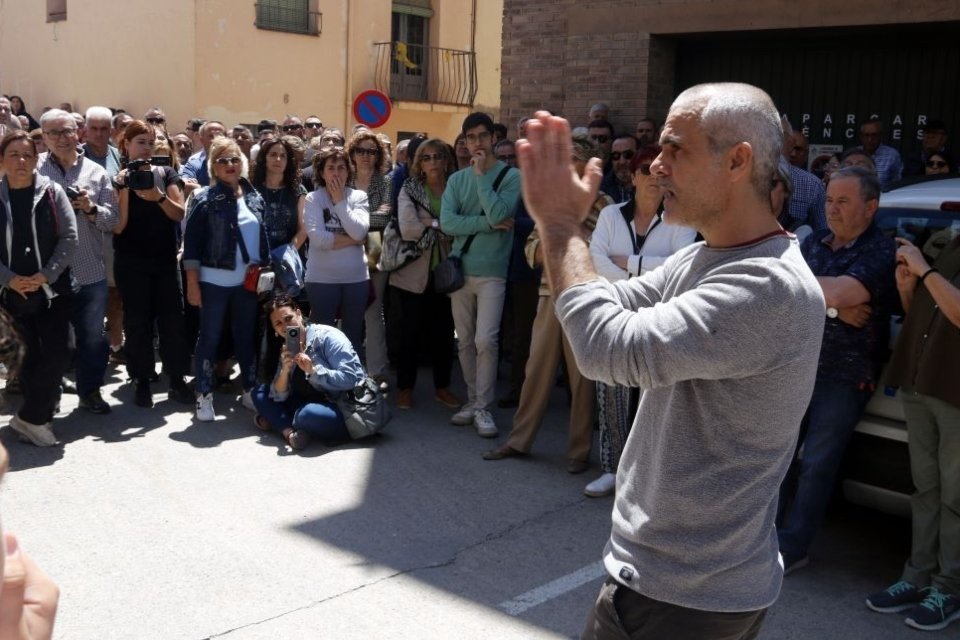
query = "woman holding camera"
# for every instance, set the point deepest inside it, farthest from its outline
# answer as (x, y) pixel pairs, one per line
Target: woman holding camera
(369, 160)
(337, 220)
(38, 238)
(316, 364)
(225, 243)
(146, 243)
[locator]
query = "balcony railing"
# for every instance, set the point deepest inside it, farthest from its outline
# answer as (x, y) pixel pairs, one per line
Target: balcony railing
(277, 17)
(426, 74)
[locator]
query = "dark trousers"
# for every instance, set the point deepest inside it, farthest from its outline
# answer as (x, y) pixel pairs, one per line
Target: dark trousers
(321, 419)
(89, 309)
(242, 305)
(520, 308)
(622, 614)
(45, 337)
(151, 295)
(424, 318)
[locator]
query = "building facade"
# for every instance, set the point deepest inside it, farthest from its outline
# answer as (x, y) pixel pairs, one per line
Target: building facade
(245, 60)
(828, 66)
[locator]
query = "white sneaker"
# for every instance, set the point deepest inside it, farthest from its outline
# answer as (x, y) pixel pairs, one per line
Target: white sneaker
(205, 408)
(39, 434)
(605, 485)
(484, 424)
(247, 401)
(464, 417)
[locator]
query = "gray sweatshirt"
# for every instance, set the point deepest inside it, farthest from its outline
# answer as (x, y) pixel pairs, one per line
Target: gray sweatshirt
(725, 344)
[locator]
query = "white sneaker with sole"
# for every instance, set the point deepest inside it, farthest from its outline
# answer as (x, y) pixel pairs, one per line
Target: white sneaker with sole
(205, 408)
(246, 399)
(464, 417)
(605, 485)
(484, 424)
(39, 434)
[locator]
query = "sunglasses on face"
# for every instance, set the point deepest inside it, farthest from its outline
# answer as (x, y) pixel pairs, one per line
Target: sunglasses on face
(156, 120)
(507, 156)
(224, 161)
(600, 139)
(936, 164)
(291, 127)
(363, 151)
(314, 125)
(432, 157)
(626, 155)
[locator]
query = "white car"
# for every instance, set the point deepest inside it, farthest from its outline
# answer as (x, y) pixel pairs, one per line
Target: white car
(876, 472)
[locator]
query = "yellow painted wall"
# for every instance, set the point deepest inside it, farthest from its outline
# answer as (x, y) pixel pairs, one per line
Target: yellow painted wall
(98, 56)
(207, 58)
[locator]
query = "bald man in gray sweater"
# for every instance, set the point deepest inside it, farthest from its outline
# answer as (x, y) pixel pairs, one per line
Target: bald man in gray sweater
(693, 550)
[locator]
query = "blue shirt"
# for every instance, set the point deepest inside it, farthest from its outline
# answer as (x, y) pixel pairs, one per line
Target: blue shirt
(195, 168)
(250, 231)
(336, 366)
(808, 200)
(889, 165)
(851, 355)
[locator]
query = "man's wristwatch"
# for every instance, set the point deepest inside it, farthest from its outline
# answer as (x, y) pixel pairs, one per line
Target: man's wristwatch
(163, 197)
(832, 312)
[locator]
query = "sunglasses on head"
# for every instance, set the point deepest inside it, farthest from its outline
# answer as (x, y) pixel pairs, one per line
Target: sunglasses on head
(626, 155)
(156, 120)
(936, 164)
(224, 161)
(362, 151)
(291, 127)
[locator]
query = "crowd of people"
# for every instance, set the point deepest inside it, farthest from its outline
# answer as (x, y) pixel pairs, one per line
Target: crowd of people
(124, 237)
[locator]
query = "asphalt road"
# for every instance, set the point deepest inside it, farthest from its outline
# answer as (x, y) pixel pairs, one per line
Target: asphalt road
(159, 527)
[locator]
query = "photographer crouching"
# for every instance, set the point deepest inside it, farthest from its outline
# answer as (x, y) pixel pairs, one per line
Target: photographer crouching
(317, 363)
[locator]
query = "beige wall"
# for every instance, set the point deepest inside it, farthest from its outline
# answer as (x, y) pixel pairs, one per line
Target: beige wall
(91, 57)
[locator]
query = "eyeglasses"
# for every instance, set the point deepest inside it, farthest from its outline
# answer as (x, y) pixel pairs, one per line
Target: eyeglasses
(507, 156)
(474, 138)
(936, 164)
(157, 120)
(314, 125)
(363, 151)
(600, 139)
(224, 161)
(626, 155)
(59, 133)
(644, 168)
(432, 157)
(291, 127)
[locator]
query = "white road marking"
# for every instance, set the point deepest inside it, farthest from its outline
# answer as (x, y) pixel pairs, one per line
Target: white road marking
(553, 589)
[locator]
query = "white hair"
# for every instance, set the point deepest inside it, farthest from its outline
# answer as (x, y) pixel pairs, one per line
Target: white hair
(55, 114)
(731, 113)
(99, 113)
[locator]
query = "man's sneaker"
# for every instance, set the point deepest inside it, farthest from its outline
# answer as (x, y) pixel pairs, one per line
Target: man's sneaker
(605, 485)
(897, 597)
(936, 611)
(205, 408)
(94, 403)
(794, 565)
(464, 417)
(484, 424)
(246, 399)
(39, 434)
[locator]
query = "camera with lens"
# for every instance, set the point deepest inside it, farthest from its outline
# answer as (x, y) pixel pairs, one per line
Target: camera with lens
(139, 176)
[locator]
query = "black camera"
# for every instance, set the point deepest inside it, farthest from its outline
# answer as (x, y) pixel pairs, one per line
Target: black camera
(73, 192)
(139, 176)
(160, 161)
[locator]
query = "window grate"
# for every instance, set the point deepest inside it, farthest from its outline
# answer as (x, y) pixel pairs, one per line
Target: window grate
(293, 16)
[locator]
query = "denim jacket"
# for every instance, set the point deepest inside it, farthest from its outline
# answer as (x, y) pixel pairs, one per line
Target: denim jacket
(210, 238)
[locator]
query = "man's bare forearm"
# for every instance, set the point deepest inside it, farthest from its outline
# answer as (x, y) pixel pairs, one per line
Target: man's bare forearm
(567, 257)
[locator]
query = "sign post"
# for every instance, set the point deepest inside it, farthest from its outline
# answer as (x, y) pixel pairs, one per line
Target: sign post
(372, 108)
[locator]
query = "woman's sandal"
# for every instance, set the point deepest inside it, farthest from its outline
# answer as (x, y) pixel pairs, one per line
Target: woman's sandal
(261, 422)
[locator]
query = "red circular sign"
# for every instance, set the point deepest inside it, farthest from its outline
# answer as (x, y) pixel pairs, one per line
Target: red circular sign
(372, 108)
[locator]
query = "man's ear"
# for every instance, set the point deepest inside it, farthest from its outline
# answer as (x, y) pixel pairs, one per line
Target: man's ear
(740, 161)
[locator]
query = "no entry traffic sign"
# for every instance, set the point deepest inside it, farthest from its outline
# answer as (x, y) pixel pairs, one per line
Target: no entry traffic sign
(372, 108)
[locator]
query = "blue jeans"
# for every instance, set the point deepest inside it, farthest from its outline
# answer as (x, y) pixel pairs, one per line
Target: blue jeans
(89, 310)
(243, 320)
(834, 411)
(349, 299)
(321, 419)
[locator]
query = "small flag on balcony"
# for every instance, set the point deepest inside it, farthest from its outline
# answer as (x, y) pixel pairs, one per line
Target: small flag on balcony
(401, 56)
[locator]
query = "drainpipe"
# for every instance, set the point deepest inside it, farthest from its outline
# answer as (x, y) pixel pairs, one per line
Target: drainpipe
(473, 42)
(348, 76)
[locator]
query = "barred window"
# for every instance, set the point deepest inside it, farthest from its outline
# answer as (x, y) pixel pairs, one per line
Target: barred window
(294, 16)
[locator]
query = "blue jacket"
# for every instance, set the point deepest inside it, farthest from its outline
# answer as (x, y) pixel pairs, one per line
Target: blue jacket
(211, 235)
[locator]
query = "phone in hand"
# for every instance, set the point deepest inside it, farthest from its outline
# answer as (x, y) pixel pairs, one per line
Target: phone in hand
(293, 340)
(73, 192)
